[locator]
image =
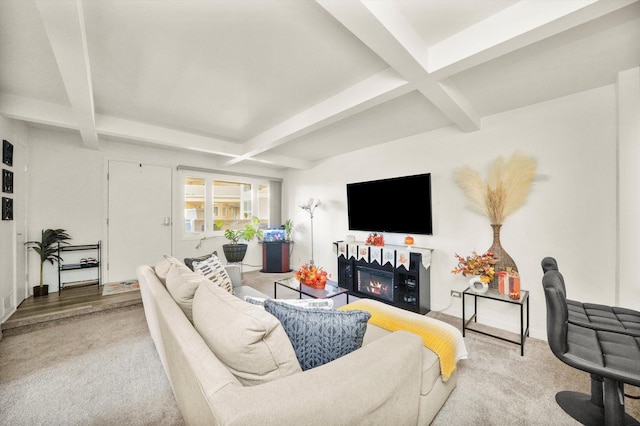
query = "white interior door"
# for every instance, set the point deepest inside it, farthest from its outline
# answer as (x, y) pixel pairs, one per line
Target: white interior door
(139, 221)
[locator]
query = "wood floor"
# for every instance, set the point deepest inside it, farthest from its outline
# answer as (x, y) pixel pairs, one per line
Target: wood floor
(39, 312)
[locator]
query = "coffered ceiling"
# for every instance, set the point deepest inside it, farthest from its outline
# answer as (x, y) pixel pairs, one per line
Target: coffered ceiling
(287, 83)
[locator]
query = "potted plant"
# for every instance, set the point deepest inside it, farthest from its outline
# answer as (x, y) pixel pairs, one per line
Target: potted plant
(288, 227)
(47, 249)
(235, 251)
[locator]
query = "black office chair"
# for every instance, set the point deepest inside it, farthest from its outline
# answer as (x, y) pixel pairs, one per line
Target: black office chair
(599, 339)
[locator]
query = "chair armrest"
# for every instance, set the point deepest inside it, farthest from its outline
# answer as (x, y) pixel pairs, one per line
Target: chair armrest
(234, 274)
(376, 384)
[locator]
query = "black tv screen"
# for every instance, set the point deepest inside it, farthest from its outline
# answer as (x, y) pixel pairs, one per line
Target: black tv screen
(399, 205)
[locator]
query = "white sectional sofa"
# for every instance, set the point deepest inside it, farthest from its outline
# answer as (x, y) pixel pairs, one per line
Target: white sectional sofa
(392, 379)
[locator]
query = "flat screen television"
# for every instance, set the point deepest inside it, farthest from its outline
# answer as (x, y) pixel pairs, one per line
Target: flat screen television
(398, 205)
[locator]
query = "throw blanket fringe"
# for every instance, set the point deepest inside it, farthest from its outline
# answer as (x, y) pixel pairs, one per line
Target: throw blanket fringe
(437, 337)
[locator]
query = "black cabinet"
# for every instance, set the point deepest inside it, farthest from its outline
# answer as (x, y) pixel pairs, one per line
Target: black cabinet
(275, 256)
(407, 287)
(412, 286)
(90, 260)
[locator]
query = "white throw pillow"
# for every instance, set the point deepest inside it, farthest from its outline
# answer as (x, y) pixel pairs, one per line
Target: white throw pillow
(182, 284)
(248, 340)
(214, 270)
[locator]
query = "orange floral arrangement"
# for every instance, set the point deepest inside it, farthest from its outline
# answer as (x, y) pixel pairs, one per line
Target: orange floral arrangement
(375, 239)
(311, 275)
(477, 264)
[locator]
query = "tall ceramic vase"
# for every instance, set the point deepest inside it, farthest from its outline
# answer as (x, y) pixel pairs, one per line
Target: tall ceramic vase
(505, 261)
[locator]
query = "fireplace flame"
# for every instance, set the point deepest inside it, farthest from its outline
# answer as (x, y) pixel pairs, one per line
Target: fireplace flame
(376, 287)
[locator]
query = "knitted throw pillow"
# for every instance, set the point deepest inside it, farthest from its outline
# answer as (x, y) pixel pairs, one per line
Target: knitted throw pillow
(213, 270)
(319, 336)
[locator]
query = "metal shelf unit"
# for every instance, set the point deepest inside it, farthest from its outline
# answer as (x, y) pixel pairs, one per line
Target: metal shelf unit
(63, 267)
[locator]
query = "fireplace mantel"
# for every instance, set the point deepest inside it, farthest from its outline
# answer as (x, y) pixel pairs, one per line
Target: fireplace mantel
(408, 269)
(354, 250)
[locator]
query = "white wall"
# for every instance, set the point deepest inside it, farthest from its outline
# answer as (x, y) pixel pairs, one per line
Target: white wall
(570, 213)
(68, 187)
(628, 188)
(15, 132)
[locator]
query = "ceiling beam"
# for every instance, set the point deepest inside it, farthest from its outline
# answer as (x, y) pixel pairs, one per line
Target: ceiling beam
(38, 112)
(283, 161)
(142, 132)
(517, 26)
(33, 111)
(157, 135)
(64, 24)
(373, 91)
(383, 28)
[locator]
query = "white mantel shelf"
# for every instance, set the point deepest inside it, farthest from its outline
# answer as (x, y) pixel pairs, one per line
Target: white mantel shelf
(361, 251)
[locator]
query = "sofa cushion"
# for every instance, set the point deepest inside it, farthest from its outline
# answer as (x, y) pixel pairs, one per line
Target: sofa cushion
(430, 361)
(182, 284)
(162, 268)
(213, 270)
(247, 339)
(320, 335)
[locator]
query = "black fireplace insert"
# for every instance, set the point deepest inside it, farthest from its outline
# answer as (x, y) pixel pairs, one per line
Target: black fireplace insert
(375, 283)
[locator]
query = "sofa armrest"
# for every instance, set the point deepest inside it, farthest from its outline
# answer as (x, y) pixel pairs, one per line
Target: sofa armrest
(376, 384)
(235, 274)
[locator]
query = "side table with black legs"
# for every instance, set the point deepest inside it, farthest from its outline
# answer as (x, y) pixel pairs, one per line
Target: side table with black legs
(495, 295)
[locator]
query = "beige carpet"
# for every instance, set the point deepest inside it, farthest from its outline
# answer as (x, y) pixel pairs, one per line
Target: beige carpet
(103, 369)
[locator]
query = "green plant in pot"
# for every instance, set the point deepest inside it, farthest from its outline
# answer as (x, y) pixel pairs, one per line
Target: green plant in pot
(288, 227)
(235, 251)
(47, 249)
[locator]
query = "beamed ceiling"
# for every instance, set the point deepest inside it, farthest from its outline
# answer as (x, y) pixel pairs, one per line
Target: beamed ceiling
(287, 83)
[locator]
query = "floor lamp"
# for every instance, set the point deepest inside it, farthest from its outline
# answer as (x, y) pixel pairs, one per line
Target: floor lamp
(310, 206)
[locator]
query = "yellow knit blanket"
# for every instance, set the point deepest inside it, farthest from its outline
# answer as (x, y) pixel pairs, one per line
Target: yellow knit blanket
(439, 339)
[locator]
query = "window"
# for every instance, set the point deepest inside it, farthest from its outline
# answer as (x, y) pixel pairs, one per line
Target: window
(194, 203)
(214, 205)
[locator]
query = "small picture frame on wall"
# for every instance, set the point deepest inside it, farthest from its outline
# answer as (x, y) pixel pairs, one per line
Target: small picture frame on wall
(7, 152)
(7, 181)
(7, 208)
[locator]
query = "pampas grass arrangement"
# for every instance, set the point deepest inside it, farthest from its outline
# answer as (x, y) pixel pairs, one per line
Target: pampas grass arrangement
(506, 189)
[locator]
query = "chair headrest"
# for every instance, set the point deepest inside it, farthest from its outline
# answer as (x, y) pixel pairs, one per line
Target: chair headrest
(552, 277)
(549, 264)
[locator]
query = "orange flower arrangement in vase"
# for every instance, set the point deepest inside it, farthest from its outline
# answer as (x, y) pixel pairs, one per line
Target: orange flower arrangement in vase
(312, 276)
(374, 239)
(481, 265)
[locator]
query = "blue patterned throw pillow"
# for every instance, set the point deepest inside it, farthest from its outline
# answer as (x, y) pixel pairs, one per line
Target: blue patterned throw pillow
(319, 336)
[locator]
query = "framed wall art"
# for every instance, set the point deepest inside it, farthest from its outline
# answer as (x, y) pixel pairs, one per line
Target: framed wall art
(7, 153)
(7, 208)
(7, 181)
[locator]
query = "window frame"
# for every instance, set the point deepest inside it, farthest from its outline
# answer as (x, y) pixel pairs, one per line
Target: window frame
(209, 178)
